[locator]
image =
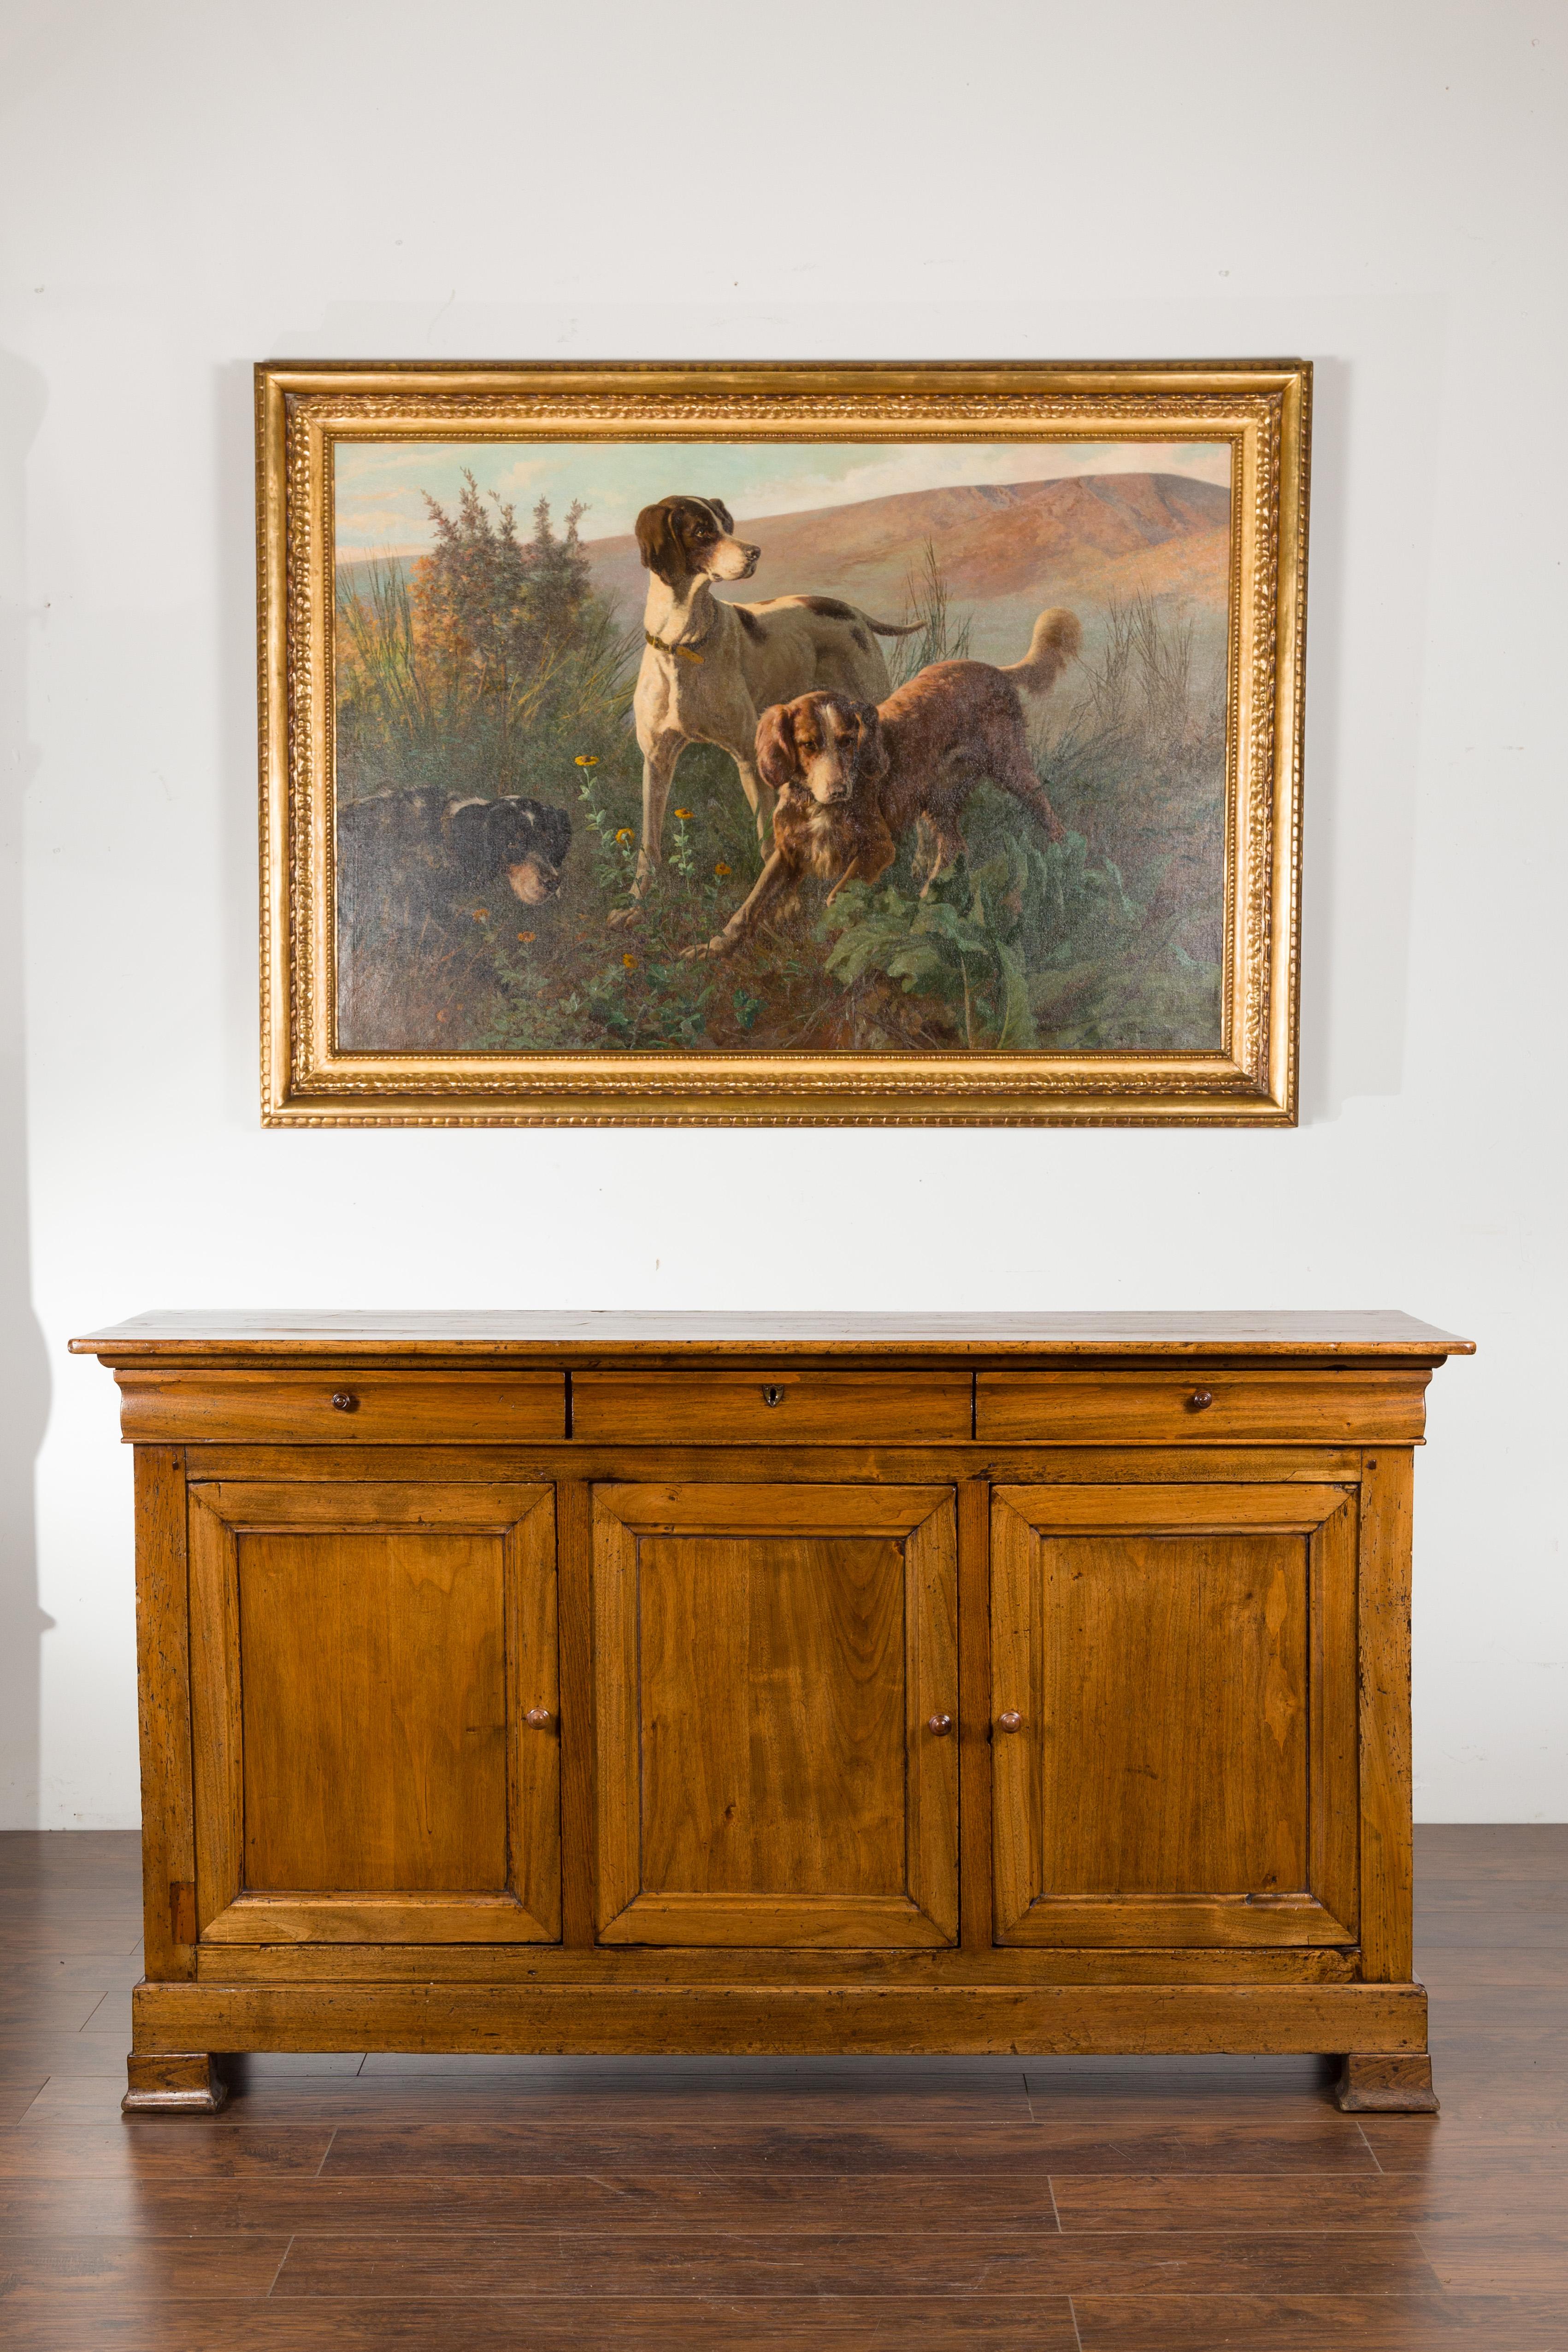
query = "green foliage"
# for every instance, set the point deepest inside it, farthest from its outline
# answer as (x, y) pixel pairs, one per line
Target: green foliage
(959, 943)
(1027, 943)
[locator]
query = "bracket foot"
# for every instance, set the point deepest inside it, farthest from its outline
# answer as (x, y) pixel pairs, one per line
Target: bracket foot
(1386, 2084)
(173, 2082)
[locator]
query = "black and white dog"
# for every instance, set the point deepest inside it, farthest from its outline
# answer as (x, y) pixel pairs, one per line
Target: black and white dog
(408, 858)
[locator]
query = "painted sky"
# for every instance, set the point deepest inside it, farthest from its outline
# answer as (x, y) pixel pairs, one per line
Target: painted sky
(379, 509)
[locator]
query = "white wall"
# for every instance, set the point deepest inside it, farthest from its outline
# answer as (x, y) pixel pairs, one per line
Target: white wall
(187, 186)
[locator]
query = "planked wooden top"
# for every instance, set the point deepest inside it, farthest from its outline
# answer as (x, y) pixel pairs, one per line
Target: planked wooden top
(549, 1336)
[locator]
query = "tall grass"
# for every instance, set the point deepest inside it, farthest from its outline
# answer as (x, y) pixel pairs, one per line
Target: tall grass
(1132, 745)
(928, 606)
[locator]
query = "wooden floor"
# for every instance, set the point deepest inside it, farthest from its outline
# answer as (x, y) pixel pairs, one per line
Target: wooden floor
(1062, 2206)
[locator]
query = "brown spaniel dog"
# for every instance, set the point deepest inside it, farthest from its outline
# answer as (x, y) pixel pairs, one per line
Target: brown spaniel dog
(853, 776)
(709, 667)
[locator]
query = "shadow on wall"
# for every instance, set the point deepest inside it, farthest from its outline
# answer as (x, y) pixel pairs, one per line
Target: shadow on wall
(1376, 488)
(23, 1364)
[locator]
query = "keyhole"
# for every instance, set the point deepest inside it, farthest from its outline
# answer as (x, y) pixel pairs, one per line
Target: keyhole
(772, 1396)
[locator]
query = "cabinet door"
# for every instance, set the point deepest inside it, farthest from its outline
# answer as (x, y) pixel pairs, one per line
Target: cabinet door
(768, 1664)
(1174, 1715)
(363, 1658)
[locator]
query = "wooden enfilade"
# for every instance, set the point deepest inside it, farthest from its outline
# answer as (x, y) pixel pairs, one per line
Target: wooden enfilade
(525, 1682)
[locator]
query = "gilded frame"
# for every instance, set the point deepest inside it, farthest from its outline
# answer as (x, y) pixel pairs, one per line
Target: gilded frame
(1263, 407)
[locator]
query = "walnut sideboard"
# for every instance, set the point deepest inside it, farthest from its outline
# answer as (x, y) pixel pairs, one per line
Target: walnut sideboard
(628, 1683)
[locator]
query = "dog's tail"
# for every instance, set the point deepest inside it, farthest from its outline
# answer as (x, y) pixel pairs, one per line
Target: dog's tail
(1056, 638)
(893, 628)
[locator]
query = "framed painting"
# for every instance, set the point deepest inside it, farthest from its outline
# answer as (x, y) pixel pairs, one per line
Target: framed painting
(781, 743)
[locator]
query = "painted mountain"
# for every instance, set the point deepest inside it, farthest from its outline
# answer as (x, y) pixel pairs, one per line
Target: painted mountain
(1006, 551)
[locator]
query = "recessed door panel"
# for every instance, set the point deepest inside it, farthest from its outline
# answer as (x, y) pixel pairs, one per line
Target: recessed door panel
(1173, 1737)
(365, 1658)
(771, 1694)
(1174, 1716)
(768, 1662)
(373, 1707)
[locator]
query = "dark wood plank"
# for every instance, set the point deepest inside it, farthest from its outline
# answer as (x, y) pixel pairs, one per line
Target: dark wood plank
(1306, 2323)
(1499, 1899)
(56, 2271)
(1494, 2256)
(1385, 2203)
(1489, 1975)
(62, 2053)
(45, 2009)
(632, 2204)
(1318, 2138)
(671, 2120)
(1501, 2144)
(188, 2149)
(17, 2092)
(48, 2010)
(49, 1936)
(1480, 1927)
(932, 2264)
(678, 2324)
(85, 1976)
(100, 1861)
(1523, 2322)
(1485, 1854)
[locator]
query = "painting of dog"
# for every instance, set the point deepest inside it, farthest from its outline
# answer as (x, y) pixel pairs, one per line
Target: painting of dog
(853, 777)
(406, 859)
(622, 766)
(711, 666)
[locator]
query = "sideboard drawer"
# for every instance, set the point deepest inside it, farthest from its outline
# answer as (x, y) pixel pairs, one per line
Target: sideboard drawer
(342, 1408)
(781, 1406)
(1194, 1405)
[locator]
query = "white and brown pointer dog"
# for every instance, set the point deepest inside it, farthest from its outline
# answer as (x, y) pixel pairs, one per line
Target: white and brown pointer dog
(710, 668)
(851, 779)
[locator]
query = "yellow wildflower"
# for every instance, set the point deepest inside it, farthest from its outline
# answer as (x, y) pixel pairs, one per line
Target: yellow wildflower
(527, 937)
(482, 914)
(585, 759)
(624, 833)
(722, 869)
(630, 962)
(684, 814)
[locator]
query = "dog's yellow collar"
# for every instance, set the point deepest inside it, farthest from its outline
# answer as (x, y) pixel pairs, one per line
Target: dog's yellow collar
(684, 651)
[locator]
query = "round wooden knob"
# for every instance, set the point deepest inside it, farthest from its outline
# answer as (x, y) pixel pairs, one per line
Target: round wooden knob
(1201, 1400)
(538, 1718)
(772, 1396)
(343, 1403)
(939, 1726)
(1010, 1720)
